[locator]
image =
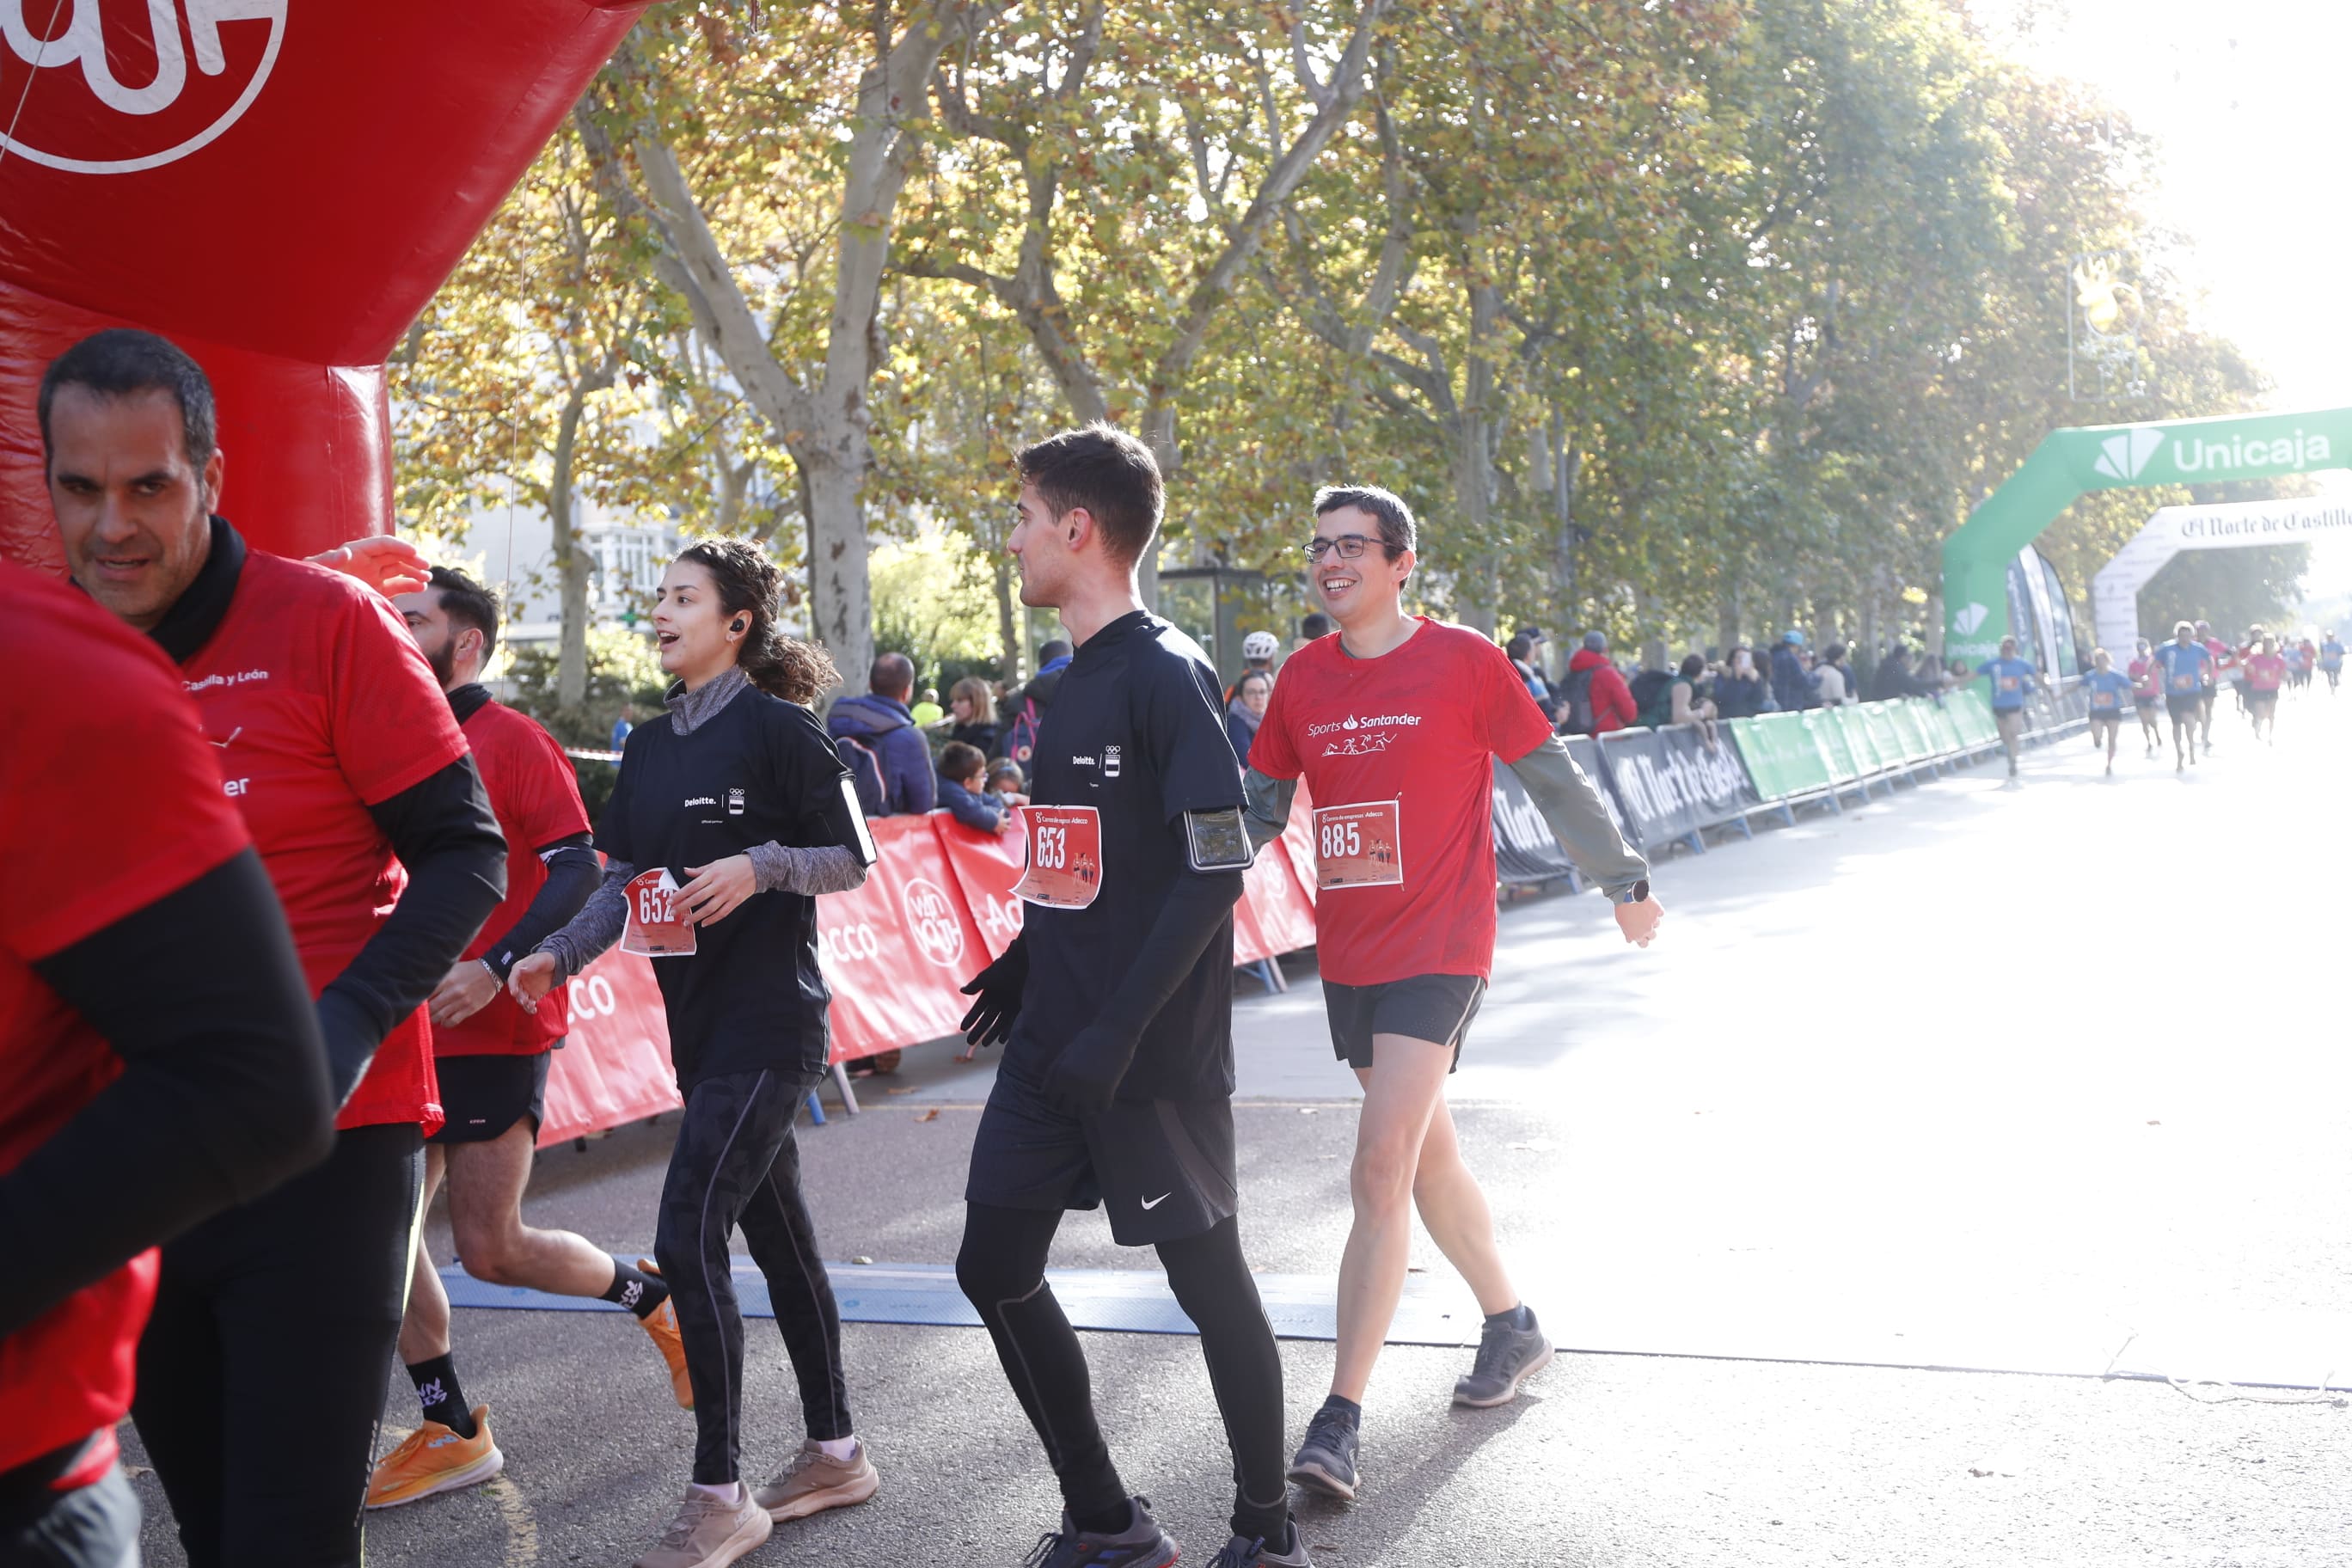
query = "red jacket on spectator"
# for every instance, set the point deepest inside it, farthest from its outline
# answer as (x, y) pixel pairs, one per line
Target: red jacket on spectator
(1612, 700)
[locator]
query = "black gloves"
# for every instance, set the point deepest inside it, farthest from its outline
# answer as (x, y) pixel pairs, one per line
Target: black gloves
(999, 987)
(1085, 1076)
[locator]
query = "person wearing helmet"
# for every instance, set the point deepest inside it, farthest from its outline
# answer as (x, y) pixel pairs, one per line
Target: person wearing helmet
(1258, 649)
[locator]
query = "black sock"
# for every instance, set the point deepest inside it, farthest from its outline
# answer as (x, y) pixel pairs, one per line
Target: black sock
(1347, 1407)
(639, 1292)
(1518, 1317)
(438, 1394)
(1110, 1521)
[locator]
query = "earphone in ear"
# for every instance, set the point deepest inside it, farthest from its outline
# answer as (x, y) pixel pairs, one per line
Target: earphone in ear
(738, 625)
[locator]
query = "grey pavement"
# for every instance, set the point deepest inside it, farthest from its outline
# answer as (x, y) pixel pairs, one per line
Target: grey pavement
(2037, 1082)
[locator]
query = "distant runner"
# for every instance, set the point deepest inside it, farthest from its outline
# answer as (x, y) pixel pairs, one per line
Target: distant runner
(2107, 691)
(2331, 660)
(2148, 691)
(2224, 673)
(1395, 724)
(2185, 666)
(2264, 670)
(2013, 680)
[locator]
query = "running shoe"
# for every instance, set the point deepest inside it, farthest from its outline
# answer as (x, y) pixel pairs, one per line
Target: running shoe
(815, 1481)
(1507, 1358)
(432, 1459)
(1142, 1544)
(1250, 1552)
(1327, 1460)
(709, 1532)
(661, 1327)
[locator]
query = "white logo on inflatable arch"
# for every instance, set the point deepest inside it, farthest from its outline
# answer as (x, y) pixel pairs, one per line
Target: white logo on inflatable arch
(83, 43)
(1968, 618)
(2122, 456)
(931, 921)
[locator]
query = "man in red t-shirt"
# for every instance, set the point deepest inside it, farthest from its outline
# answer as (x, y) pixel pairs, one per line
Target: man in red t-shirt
(159, 1058)
(1395, 725)
(492, 1059)
(262, 1371)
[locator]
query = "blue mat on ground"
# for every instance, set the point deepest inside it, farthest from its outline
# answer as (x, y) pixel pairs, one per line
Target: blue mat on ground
(1132, 1301)
(2306, 1350)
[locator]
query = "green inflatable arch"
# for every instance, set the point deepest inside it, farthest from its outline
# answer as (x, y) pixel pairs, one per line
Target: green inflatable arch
(2069, 463)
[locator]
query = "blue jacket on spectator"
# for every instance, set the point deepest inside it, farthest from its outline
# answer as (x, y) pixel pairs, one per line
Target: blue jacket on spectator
(885, 727)
(1792, 683)
(984, 811)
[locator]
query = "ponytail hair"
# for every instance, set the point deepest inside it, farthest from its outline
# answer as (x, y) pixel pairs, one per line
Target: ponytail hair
(747, 582)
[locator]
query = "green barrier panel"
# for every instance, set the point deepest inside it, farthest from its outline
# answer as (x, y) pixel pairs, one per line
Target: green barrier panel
(1879, 719)
(1975, 712)
(1943, 737)
(1906, 727)
(1854, 721)
(1780, 755)
(1829, 736)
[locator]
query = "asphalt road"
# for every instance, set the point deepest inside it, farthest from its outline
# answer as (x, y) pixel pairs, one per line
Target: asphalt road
(2040, 1083)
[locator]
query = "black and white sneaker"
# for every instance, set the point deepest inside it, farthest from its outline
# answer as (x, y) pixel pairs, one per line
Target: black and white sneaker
(1327, 1460)
(1248, 1551)
(1142, 1544)
(1508, 1357)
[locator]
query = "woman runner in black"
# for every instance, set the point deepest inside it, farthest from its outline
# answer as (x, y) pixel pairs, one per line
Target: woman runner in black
(724, 825)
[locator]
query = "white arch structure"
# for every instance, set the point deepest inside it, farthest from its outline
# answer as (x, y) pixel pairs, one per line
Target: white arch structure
(2114, 592)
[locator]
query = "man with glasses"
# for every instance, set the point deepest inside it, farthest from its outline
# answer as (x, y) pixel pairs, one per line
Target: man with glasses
(1394, 725)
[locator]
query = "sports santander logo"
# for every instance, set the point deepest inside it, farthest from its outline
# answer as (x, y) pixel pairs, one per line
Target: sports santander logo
(112, 87)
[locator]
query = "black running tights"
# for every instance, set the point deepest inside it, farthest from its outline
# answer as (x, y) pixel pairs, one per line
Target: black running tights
(262, 1372)
(1002, 1268)
(737, 1164)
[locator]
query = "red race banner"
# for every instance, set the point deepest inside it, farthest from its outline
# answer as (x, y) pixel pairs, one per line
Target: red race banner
(898, 949)
(986, 866)
(614, 1067)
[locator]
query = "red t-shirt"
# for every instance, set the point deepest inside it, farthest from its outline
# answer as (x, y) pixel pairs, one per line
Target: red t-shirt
(109, 801)
(321, 707)
(537, 801)
(2264, 671)
(1418, 727)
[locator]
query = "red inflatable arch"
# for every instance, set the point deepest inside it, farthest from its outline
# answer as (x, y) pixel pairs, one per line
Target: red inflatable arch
(276, 185)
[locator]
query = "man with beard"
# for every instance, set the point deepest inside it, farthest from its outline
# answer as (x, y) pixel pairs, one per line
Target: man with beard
(492, 1058)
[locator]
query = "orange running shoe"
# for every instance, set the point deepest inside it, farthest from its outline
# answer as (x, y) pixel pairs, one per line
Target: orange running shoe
(662, 1328)
(432, 1460)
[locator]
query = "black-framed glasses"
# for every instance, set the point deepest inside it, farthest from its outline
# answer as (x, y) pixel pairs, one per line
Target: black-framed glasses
(1349, 545)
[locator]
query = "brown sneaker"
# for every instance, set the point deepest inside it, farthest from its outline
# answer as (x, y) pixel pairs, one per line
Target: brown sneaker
(814, 1482)
(707, 1533)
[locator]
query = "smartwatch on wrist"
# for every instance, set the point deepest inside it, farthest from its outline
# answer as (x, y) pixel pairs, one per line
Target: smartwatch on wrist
(1636, 893)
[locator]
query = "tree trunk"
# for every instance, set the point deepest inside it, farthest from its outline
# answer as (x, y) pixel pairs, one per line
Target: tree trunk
(826, 426)
(1567, 470)
(570, 563)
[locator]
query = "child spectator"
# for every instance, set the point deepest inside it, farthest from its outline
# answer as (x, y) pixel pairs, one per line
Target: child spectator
(963, 789)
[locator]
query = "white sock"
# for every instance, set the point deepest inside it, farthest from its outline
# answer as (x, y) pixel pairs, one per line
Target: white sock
(837, 1447)
(731, 1492)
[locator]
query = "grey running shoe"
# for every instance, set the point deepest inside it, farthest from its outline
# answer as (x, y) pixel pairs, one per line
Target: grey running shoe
(1250, 1551)
(1142, 1544)
(1327, 1460)
(1507, 1358)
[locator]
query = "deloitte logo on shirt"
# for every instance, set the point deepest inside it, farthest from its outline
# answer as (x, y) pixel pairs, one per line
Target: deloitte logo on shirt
(2127, 455)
